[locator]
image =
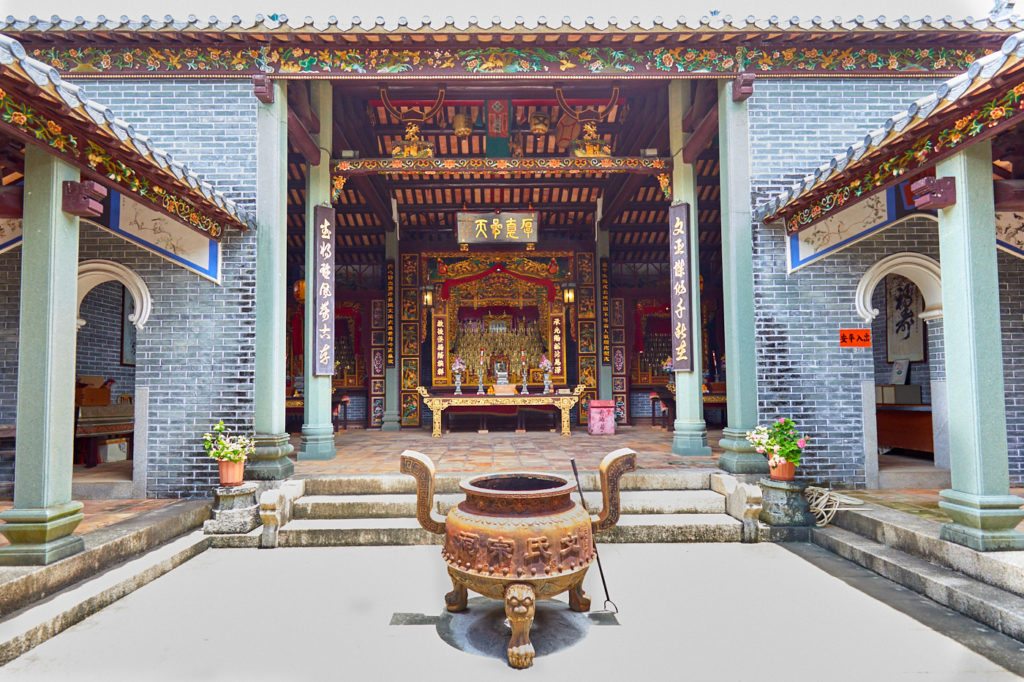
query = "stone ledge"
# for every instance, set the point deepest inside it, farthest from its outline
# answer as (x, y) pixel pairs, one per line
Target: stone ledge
(105, 547)
(999, 609)
(920, 538)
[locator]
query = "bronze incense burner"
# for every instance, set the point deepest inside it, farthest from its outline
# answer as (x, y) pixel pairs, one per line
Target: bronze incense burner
(518, 537)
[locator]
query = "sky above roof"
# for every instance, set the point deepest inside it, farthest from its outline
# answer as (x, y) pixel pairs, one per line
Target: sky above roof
(578, 10)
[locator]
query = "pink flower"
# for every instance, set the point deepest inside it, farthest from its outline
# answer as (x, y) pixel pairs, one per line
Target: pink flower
(782, 420)
(802, 443)
(760, 450)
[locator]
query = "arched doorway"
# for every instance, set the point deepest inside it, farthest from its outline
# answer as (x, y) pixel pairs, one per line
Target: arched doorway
(113, 304)
(900, 296)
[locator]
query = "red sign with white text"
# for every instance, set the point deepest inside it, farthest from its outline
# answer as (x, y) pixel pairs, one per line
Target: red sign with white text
(855, 338)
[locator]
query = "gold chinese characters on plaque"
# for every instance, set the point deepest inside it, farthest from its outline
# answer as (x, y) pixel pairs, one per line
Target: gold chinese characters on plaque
(323, 293)
(679, 280)
(497, 228)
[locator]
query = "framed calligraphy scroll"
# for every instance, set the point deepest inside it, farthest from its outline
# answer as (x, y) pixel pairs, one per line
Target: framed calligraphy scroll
(606, 337)
(904, 329)
(679, 280)
(323, 294)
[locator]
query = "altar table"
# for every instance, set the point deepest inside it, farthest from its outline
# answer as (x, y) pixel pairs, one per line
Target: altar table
(438, 404)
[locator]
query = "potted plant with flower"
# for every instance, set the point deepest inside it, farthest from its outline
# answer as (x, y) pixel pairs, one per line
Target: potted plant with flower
(458, 367)
(545, 366)
(230, 453)
(782, 444)
(667, 366)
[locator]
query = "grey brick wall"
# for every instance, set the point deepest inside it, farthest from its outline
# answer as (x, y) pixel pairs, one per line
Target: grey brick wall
(794, 126)
(196, 352)
(99, 342)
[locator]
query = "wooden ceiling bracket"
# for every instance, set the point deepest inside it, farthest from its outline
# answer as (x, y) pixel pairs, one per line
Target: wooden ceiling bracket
(743, 87)
(83, 199)
(262, 88)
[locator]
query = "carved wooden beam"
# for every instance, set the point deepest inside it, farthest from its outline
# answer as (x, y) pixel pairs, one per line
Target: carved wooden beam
(1009, 195)
(11, 201)
(263, 88)
(83, 199)
(702, 134)
(932, 192)
(702, 99)
(303, 141)
(743, 87)
(299, 100)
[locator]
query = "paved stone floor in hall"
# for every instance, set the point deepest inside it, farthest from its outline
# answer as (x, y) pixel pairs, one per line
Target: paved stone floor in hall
(362, 451)
(694, 613)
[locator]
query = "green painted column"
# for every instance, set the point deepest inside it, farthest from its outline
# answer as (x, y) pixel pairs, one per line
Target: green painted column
(604, 374)
(690, 435)
(738, 287)
(392, 421)
(39, 524)
(983, 511)
(317, 430)
(271, 462)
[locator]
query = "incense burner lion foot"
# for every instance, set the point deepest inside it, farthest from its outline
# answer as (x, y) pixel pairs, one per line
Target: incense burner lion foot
(519, 537)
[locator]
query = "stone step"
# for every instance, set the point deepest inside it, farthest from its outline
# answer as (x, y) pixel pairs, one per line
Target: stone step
(920, 538)
(402, 531)
(378, 484)
(32, 626)
(404, 505)
(999, 609)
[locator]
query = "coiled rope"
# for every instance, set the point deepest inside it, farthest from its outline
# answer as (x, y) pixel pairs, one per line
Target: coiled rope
(825, 503)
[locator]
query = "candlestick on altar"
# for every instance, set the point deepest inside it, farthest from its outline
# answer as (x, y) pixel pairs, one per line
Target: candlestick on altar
(480, 375)
(525, 391)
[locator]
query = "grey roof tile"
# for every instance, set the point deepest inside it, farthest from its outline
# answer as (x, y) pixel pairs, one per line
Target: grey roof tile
(12, 52)
(948, 92)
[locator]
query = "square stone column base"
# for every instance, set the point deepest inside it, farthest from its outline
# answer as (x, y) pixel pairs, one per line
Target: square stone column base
(982, 522)
(690, 439)
(41, 536)
(270, 462)
(740, 457)
(317, 442)
(391, 422)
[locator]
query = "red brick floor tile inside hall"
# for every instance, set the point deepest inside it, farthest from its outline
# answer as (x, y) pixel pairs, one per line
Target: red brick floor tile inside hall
(362, 451)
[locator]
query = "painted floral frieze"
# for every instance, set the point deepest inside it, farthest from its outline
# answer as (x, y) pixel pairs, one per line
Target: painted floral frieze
(200, 59)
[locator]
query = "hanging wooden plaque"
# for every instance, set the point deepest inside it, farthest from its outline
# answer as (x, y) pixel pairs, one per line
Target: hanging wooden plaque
(323, 296)
(679, 278)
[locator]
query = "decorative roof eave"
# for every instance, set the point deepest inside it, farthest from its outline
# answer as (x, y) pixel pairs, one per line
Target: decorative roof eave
(277, 24)
(38, 107)
(342, 169)
(965, 109)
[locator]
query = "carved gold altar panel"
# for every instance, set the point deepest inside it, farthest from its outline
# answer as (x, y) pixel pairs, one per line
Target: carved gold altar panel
(438, 404)
(523, 282)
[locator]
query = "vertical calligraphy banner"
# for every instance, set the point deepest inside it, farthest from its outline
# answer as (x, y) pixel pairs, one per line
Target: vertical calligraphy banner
(679, 281)
(389, 313)
(323, 218)
(606, 337)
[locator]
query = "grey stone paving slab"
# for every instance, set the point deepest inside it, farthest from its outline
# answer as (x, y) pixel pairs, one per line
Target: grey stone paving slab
(688, 612)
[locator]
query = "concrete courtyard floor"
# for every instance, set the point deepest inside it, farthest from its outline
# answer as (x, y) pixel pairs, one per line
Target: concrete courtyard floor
(688, 612)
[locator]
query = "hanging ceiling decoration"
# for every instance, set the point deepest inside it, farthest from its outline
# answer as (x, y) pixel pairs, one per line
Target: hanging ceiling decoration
(412, 146)
(590, 145)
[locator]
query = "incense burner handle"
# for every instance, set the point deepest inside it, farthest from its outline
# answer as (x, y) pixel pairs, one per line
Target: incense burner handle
(419, 466)
(613, 466)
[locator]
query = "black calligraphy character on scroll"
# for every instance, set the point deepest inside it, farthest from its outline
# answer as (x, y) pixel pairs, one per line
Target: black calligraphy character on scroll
(904, 302)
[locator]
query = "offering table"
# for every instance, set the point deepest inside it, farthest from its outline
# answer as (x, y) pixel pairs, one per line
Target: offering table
(438, 404)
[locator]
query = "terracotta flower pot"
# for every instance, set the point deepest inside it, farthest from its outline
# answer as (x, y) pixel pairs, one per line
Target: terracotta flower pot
(783, 472)
(231, 472)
